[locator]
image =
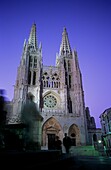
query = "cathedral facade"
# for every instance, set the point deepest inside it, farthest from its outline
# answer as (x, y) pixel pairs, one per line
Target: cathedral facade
(57, 90)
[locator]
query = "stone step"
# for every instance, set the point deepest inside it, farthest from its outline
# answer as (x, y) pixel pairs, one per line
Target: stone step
(84, 151)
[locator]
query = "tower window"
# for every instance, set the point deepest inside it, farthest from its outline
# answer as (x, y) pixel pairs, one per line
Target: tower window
(69, 66)
(29, 77)
(35, 62)
(69, 81)
(70, 105)
(30, 61)
(34, 78)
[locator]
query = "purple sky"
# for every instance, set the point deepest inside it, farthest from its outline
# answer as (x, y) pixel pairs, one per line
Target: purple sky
(88, 23)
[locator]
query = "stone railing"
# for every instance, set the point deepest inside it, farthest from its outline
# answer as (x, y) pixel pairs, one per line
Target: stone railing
(53, 112)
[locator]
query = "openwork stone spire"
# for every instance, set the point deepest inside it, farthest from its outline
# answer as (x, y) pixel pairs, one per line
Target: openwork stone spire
(65, 48)
(32, 41)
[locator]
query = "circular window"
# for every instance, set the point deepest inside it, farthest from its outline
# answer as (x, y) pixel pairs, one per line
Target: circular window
(50, 101)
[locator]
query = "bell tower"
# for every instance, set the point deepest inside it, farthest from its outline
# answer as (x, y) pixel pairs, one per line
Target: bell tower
(68, 59)
(28, 73)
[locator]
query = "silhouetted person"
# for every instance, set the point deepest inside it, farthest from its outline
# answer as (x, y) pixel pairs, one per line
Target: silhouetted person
(58, 143)
(67, 142)
(2, 117)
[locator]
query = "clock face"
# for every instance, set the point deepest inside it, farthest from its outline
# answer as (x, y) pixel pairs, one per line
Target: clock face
(50, 101)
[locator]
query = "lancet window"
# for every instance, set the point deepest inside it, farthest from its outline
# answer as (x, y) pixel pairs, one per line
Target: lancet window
(51, 81)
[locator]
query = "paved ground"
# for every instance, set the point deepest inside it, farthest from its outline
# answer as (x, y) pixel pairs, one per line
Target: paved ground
(51, 160)
(90, 163)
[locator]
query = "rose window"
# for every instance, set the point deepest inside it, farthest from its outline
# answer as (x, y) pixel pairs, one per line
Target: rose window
(50, 101)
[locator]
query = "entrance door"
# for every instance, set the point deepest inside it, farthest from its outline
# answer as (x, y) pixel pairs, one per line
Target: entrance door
(73, 140)
(51, 141)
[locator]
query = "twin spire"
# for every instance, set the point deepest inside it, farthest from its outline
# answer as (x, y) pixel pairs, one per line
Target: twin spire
(65, 48)
(32, 41)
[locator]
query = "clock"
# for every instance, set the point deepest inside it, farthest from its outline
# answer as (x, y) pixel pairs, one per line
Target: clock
(50, 101)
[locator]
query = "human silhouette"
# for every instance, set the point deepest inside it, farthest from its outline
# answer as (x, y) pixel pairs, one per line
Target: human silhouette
(67, 142)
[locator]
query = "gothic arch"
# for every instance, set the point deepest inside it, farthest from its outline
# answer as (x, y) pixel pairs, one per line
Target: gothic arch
(53, 94)
(74, 133)
(51, 127)
(51, 80)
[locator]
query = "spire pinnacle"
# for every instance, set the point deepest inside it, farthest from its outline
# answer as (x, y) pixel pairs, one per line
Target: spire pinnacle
(32, 41)
(65, 48)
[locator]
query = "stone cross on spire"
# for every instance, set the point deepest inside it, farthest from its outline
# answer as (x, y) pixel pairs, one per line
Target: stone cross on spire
(65, 48)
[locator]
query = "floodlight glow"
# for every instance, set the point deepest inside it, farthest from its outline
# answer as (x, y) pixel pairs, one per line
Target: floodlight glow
(99, 141)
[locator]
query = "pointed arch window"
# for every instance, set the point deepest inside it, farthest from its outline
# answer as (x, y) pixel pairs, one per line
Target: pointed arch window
(30, 61)
(69, 81)
(69, 66)
(34, 78)
(70, 105)
(51, 81)
(35, 62)
(44, 84)
(29, 77)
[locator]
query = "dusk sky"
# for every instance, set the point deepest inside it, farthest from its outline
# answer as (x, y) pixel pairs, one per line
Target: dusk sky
(88, 23)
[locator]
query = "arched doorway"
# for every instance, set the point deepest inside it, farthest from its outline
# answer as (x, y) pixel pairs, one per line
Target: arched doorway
(73, 139)
(94, 137)
(50, 129)
(95, 140)
(74, 133)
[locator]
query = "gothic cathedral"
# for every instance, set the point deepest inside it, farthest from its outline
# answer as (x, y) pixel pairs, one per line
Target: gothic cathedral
(58, 91)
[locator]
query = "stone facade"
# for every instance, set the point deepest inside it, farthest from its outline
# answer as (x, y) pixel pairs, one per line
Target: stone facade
(58, 91)
(105, 120)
